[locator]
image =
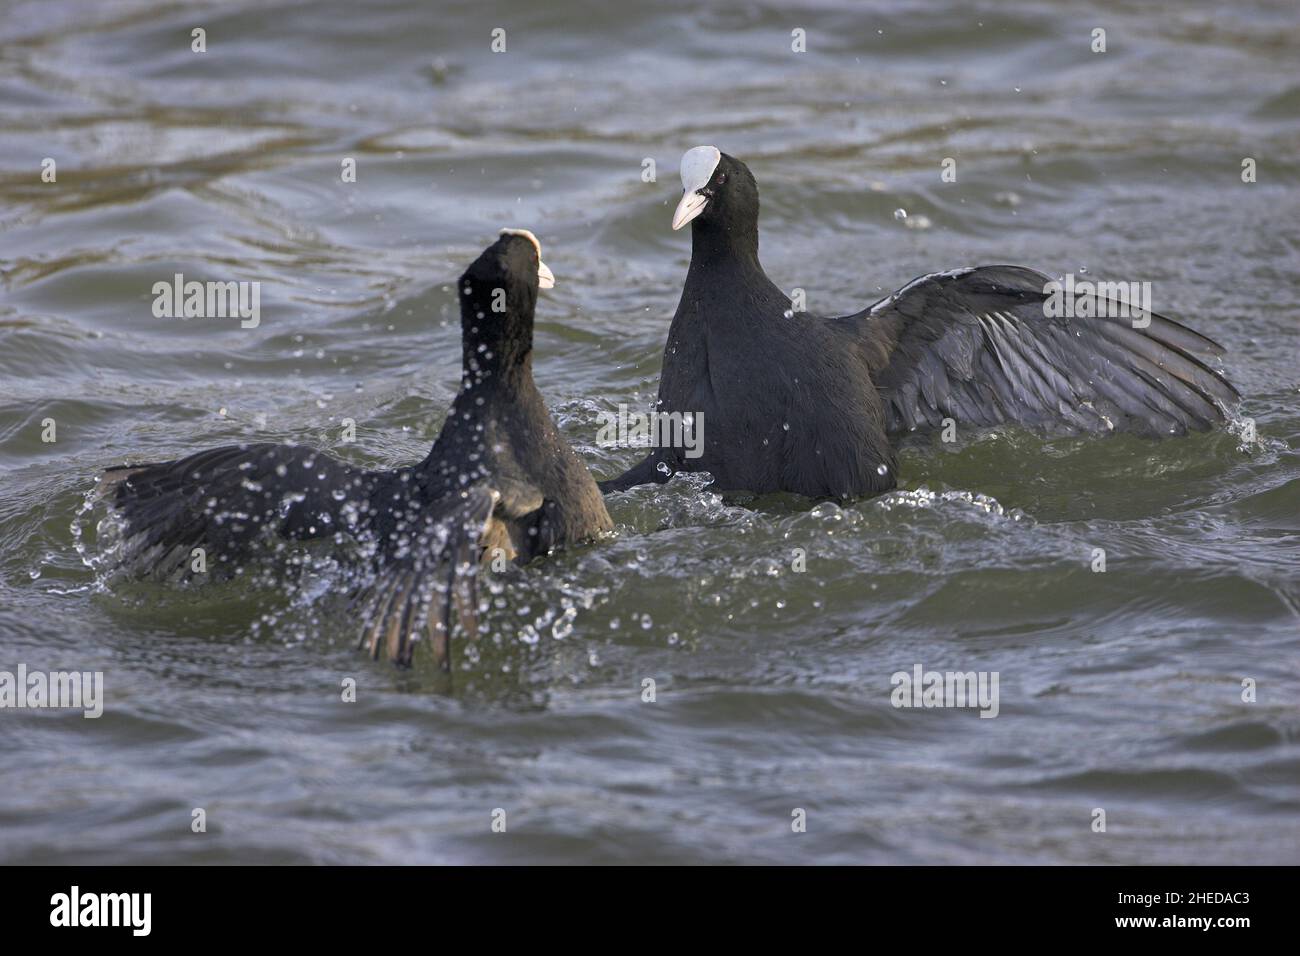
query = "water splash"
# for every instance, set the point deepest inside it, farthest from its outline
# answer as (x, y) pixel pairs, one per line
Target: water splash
(923, 498)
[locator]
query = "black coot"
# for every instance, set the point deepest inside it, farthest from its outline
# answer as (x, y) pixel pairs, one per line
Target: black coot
(791, 401)
(499, 476)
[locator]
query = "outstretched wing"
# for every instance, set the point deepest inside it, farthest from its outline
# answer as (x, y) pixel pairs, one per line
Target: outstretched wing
(426, 578)
(225, 499)
(422, 574)
(976, 345)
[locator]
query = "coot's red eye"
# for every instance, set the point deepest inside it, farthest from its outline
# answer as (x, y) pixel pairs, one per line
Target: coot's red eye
(722, 178)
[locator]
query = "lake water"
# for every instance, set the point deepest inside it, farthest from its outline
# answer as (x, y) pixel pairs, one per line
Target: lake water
(1120, 691)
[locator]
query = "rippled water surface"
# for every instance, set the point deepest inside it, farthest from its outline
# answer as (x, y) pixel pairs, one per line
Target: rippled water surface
(1120, 691)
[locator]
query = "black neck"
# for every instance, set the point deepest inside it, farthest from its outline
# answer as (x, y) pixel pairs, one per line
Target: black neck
(492, 362)
(727, 243)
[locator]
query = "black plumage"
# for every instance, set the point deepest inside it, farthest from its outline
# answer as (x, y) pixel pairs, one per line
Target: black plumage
(793, 401)
(499, 476)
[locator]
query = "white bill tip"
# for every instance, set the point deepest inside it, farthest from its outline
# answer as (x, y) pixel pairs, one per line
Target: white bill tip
(698, 165)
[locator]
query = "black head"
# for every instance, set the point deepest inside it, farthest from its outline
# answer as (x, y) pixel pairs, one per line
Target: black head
(719, 199)
(498, 294)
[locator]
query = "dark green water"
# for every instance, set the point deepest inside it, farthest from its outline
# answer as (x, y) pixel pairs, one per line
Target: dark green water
(1119, 691)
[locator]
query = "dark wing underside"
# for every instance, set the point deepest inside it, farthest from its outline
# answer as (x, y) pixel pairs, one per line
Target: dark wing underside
(231, 501)
(228, 500)
(977, 347)
(424, 574)
(429, 573)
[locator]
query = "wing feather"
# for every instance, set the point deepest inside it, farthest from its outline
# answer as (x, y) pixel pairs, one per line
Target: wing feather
(977, 346)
